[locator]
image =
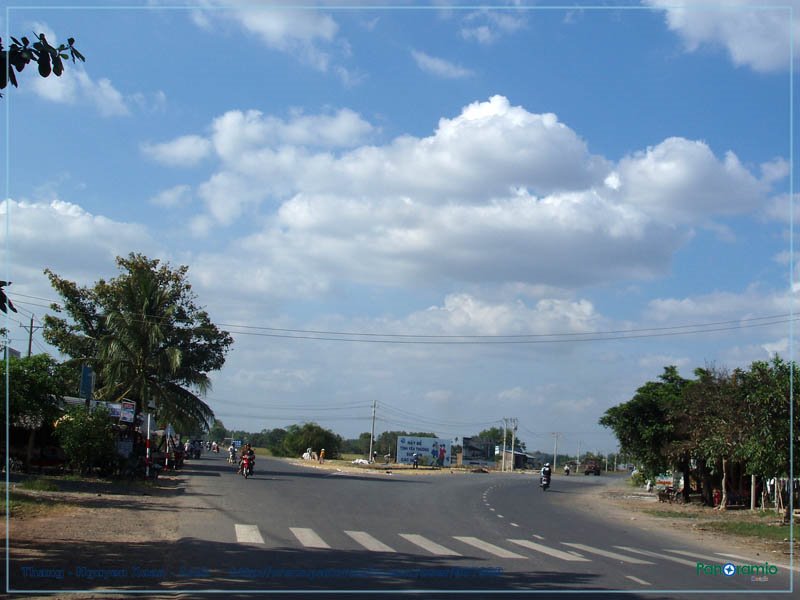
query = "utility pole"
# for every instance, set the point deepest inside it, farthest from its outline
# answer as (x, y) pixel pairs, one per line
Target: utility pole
(372, 433)
(555, 450)
(30, 329)
(515, 421)
(503, 463)
(579, 454)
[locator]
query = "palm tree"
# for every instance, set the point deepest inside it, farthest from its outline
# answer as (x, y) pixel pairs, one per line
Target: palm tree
(140, 355)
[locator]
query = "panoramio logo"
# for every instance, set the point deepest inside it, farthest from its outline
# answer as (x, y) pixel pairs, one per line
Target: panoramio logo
(730, 569)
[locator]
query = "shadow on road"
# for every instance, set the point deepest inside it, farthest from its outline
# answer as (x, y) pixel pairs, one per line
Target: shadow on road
(192, 566)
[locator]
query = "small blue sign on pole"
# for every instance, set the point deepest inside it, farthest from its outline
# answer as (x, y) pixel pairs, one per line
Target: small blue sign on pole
(87, 382)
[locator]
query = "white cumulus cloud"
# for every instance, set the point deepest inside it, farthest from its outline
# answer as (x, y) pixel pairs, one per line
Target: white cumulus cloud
(186, 151)
(755, 33)
(439, 66)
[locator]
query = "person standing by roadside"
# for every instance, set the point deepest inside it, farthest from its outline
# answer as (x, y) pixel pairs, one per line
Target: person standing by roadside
(322, 456)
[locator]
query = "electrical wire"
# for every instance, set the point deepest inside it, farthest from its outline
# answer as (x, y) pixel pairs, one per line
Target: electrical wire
(529, 338)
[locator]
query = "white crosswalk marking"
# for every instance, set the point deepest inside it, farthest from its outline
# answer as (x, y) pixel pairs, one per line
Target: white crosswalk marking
(680, 561)
(487, 547)
(308, 537)
(609, 554)
(637, 580)
(690, 555)
(550, 551)
(369, 542)
(248, 534)
(428, 545)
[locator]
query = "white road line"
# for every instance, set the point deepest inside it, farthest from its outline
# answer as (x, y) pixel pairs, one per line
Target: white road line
(308, 537)
(248, 534)
(500, 517)
(680, 561)
(689, 554)
(428, 545)
(550, 551)
(609, 554)
(755, 562)
(491, 509)
(513, 524)
(637, 580)
(487, 547)
(369, 542)
(538, 537)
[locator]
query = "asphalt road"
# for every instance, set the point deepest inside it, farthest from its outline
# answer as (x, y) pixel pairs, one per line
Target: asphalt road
(303, 531)
(295, 528)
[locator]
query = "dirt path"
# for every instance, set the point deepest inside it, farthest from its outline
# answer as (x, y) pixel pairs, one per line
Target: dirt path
(619, 502)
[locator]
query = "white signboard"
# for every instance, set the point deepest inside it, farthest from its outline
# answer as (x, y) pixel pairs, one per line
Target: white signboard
(430, 451)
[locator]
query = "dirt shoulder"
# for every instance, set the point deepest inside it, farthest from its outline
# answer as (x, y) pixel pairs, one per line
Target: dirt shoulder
(84, 521)
(618, 501)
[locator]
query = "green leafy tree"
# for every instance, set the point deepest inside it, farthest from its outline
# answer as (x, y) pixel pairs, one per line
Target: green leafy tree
(21, 52)
(274, 441)
(86, 437)
(217, 432)
(145, 336)
(768, 388)
(495, 435)
(359, 445)
(310, 435)
(646, 425)
(37, 385)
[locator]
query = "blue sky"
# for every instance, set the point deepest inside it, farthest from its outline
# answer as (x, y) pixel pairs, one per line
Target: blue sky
(438, 170)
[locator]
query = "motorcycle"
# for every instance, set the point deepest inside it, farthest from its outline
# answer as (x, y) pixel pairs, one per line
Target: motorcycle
(247, 466)
(544, 482)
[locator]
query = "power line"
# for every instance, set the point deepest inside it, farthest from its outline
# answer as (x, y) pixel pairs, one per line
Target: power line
(509, 339)
(597, 336)
(516, 335)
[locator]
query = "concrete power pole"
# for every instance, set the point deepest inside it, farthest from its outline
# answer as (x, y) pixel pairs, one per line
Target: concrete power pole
(555, 450)
(513, 436)
(372, 433)
(503, 463)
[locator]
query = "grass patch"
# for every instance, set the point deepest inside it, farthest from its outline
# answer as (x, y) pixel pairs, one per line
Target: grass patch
(669, 514)
(39, 485)
(748, 529)
(22, 505)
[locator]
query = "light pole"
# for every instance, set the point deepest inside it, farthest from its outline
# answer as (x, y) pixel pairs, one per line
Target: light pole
(555, 450)
(372, 433)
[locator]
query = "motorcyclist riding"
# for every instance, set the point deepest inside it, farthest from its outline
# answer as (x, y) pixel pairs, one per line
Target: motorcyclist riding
(546, 473)
(251, 458)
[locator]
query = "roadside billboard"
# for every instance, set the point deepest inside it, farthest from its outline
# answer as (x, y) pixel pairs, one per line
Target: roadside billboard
(431, 451)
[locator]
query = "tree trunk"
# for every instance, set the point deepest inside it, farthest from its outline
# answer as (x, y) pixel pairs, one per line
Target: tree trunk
(687, 481)
(29, 450)
(724, 502)
(706, 487)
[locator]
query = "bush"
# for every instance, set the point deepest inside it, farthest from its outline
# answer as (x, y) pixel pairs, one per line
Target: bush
(638, 479)
(310, 435)
(86, 437)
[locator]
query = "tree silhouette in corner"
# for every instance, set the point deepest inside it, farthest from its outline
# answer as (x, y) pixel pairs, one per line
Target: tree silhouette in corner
(48, 58)
(5, 301)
